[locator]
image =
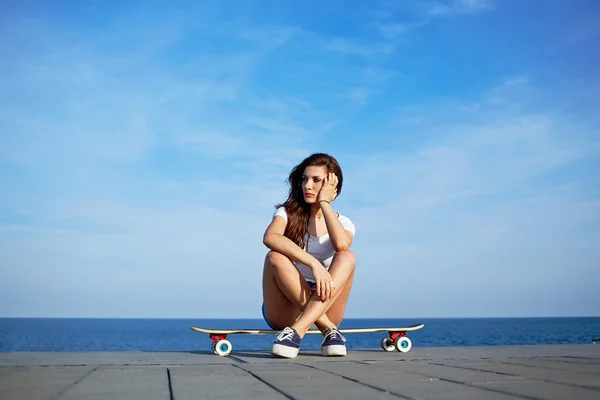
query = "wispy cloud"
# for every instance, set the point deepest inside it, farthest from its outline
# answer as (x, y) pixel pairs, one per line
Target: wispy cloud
(396, 21)
(344, 45)
(456, 7)
(150, 154)
(392, 30)
(481, 182)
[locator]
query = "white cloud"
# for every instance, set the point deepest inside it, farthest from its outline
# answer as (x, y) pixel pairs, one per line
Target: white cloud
(396, 21)
(344, 45)
(583, 29)
(517, 80)
(170, 253)
(391, 31)
(107, 104)
(465, 197)
(456, 7)
(491, 202)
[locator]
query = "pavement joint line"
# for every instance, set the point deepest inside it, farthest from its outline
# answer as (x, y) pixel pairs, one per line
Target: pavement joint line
(112, 365)
(477, 386)
(265, 382)
(583, 358)
(75, 383)
(237, 359)
(171, 396)
(359, 382)
(543, 366)
(477, 369)
(553, 359)
(521, 376)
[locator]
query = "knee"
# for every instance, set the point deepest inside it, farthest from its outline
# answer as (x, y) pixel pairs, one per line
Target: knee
(347, 257)
(277, 260)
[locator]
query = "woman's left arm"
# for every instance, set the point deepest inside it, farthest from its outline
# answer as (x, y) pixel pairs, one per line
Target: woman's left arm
(341, 239)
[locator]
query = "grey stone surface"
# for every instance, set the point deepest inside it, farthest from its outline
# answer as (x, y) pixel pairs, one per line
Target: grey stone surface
(303, 382)
(556, 364)
(110, 358)
(574, 352)
(395, 379)
(535, 372)
(531, 372)
(505, 380)
(544, 390)
(39, 382)
(5, 371)
(121, 383)
(574, 360)
(218, 382)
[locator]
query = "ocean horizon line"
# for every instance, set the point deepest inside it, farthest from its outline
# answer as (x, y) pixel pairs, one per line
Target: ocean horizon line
(347, 318)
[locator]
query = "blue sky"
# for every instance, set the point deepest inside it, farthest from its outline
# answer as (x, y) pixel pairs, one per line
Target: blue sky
(144, 145)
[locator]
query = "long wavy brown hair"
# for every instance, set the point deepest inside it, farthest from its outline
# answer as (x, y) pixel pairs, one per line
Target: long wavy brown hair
(298, 211)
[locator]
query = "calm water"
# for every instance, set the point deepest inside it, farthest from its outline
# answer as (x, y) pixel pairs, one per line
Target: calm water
(38, 334)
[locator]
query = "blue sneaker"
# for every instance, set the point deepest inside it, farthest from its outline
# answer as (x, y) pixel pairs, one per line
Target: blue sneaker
(334, 344)
(287, 343)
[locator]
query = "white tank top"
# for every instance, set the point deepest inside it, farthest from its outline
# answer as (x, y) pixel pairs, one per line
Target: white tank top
(319, 247)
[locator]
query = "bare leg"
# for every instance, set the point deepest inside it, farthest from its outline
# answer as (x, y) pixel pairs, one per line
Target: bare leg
(286, 293)
(338, 308)
(342, 271)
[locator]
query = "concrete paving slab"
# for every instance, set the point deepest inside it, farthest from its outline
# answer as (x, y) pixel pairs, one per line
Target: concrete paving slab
(543, 390)
(554, 365)
(218, 382)
(4, 371)
(575, 353)
(575, 360)
(121, 383)
(40, 382)
(436, 353)
(586, 351)
(392, 378)
(558, 365)
(486, 376)
(534, 372)
(300, 382)
(110, 358)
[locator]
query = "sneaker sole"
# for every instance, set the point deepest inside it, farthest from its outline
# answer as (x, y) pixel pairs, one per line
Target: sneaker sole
(284, 351)
(333, 350)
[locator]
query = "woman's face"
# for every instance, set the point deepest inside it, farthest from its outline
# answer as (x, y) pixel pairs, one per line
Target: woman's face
(312, 181)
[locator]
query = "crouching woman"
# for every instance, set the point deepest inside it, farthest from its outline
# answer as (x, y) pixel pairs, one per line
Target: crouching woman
(309, 269)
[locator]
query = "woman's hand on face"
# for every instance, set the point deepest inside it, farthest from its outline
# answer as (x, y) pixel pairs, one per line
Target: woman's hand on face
(328, 191)
(325, 286)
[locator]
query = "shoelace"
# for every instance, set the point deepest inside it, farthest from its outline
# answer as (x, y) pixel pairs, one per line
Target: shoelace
(333, 334)
(286, 334)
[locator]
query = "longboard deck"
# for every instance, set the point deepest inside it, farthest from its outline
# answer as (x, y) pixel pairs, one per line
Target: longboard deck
(273, 332)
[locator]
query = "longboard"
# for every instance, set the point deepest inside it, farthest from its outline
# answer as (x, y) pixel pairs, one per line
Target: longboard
(396, 340)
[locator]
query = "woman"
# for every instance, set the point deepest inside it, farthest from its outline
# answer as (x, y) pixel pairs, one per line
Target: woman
(308, 273)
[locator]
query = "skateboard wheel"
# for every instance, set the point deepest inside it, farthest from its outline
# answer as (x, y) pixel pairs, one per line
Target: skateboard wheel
(223, 347)
(403, 344)
(212, 346)
(387, 344)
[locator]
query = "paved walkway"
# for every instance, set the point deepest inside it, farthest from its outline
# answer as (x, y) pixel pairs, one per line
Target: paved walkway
(511, 372)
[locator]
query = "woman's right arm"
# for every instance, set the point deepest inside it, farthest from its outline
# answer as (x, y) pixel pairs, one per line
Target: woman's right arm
(276, 241)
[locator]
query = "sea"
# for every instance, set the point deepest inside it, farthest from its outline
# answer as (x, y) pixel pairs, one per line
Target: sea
(81, 334)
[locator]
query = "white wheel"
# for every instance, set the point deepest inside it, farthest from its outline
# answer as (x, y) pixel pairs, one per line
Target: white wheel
(403, 344)
(212, 346)
(223, 347)
(387, 344)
